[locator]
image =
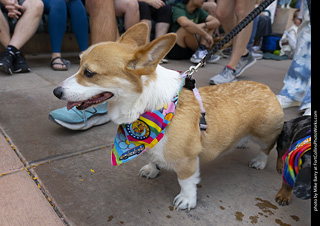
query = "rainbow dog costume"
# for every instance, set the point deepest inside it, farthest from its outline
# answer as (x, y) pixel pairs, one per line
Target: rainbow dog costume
(292, 159)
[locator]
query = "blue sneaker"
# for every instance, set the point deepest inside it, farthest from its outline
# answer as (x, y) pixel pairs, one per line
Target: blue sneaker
(75, 119)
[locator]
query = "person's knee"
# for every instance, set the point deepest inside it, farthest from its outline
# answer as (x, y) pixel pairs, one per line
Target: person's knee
(126, 6)
(216, 23)
(186, 39)
(35, 5)
(132, 5)
(242, 11)
(129, 5)
(223, 16)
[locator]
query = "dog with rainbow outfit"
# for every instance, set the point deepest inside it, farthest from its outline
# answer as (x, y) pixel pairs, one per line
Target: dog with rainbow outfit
(294, 159)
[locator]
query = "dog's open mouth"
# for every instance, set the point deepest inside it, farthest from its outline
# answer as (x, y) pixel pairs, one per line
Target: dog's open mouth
(97, 99)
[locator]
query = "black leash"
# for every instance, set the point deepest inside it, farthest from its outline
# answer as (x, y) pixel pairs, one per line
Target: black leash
(245, 22)
(231, 35)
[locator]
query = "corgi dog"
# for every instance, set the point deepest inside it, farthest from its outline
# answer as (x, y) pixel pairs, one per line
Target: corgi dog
(127, 75)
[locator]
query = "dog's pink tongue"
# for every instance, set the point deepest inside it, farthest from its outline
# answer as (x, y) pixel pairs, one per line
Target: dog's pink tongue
(72, 104)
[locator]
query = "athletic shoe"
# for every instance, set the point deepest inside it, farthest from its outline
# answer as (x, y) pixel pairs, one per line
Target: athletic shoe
(286, 102)
(80, 120)
(257, 55)
(226, 75)
(244, 63)
(213, 59)
(6, 62)
(227, 52)
(199, 54)
(19, 64)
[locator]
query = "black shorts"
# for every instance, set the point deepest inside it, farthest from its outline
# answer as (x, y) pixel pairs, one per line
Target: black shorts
(147, 12)
(179, 53)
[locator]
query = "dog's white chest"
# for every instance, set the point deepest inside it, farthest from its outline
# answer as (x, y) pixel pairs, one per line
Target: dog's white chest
(156, 154)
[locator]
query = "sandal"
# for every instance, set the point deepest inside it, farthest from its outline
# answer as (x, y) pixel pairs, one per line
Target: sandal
(66, 64)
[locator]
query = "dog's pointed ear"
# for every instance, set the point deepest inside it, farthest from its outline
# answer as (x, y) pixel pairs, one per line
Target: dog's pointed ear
(147, 57)
(136, 35)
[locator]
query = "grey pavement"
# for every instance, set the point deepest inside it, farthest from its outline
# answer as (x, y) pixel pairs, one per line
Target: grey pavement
(50, 175)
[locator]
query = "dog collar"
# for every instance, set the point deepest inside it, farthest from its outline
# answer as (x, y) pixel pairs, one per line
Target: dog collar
(133, 139)
(292, 159)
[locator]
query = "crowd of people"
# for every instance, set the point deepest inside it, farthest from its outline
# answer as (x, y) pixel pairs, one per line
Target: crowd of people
(195, 22)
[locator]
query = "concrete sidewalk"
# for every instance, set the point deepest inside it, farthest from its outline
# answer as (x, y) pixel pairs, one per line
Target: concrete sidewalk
(52, 176)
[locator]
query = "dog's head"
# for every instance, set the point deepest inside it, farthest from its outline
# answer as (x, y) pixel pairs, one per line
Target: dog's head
(113, 70)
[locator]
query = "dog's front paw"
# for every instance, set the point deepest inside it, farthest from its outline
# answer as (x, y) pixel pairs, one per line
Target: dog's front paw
(183, 201)
(284, 194)
(282, 199)
(149, 171)
(259, 162)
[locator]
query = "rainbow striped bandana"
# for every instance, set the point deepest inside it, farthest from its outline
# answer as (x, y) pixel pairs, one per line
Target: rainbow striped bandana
(292, 159)
(135, 138)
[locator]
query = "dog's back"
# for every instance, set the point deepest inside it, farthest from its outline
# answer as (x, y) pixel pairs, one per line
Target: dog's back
(239, 109)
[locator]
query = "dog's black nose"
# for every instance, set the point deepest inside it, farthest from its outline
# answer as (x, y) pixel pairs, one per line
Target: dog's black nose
(58, 92)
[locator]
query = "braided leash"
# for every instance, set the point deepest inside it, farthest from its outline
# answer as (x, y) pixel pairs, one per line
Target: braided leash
(230, 35)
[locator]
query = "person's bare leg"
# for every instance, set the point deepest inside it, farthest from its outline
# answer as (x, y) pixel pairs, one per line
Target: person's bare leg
(161, 28)
(149, 25)
(130, 10)
(132, 14)
(4, 31)
(230, 13)
(103, 24)
(210, 7)
(28, 24)
(225, 13)
(239, 48)
(203, 41)
(186, 39)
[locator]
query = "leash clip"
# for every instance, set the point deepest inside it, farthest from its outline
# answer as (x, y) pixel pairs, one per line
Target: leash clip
(193, 69)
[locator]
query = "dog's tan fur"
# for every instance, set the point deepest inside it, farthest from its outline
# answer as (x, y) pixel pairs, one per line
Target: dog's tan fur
(233, 110)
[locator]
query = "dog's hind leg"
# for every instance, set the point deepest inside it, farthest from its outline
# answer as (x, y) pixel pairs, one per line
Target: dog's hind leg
(188, 178)
(260, 161)
(266, 144)
(243, 143)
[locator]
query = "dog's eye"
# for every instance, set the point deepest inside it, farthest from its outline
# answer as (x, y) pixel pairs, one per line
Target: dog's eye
(88, 73)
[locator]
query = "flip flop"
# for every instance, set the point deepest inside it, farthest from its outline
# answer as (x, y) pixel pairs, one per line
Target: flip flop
(65, 63)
